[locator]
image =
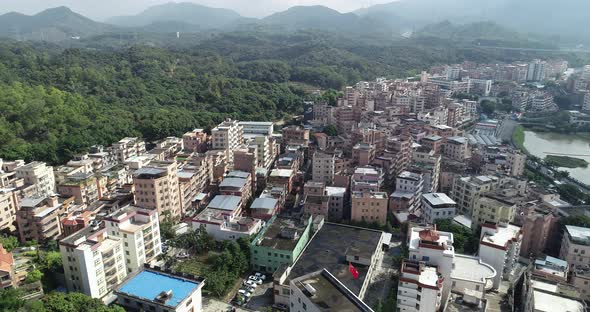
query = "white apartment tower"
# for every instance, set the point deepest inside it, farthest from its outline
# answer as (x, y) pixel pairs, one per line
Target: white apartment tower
(140, 232)
(227, 136)
(38, 174)
(93, 261)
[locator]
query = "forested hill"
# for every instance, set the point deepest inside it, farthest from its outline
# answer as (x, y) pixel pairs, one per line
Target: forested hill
(55, 103)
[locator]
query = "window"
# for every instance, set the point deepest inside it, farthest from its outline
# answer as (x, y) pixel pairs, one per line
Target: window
(425, 258)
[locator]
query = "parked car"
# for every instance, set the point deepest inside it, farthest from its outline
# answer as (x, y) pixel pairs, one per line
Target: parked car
(255, 279)
(260, 276)
(250, 283)
(182, 255)
(244, 293)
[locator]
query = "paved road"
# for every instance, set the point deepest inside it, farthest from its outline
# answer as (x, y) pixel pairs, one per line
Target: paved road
(506, 129)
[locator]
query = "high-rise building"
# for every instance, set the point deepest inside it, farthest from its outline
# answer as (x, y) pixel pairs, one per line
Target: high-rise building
(139, 230)
(39, 175)
(323, 167)
(536, 71)
(93, 261)
(227, 136)
(156, 188)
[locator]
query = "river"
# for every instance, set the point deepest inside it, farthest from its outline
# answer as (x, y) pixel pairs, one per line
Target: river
(539, 143)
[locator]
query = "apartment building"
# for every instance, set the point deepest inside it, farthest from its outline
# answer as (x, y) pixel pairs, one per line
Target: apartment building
(466, 190)
(436, 206)
(369, 206)
(367, 179)
(433, 142)
(246, 158)
(264, 149)
(499, 247)
(540, 227)
(575, 246)
(323, 167)
(156, 188)
(227, 136)
(139, 231)
(420, 287)
(195, 141)
(428, 163)
(128, 148)
(336, 198)
(363, 154)
(400, 148)
(280, 242)
(39, 219)
(93, 261)
(237, 183)
(322, 291)
(491, 208)
(408, 190)
(456, 148)
(85, 188)
(8, 208)
(264, 128)
(295, 135)
(516, 162)
(38, 174)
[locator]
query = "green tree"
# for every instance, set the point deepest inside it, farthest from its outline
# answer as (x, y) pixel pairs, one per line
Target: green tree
(331, 130)
(34, 276)
(10, 300)
(9, 242)
(488, 107)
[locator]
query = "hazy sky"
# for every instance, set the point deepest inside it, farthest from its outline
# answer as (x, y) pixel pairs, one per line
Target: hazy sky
(101, 9)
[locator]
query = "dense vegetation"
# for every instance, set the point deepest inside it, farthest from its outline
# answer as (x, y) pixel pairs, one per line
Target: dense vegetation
(54, 302)
(565, 161)
(56, 102)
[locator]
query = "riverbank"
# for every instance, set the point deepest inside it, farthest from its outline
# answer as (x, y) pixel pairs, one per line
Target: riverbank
(518, 138)
(566, 161)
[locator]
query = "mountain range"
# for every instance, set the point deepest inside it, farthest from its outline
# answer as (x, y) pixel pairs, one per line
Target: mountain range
(566, 19)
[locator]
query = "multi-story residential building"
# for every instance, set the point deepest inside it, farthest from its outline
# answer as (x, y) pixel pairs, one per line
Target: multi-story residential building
(295, 135)
(456, 148)
(540, 229)
(166, 292)
(264, 149)
(237, 183)
(223, 219)
(542, 102)
(316, 205)
(7, 269)
(195, 141)
(461, 274)
(85, 188)
(536, 71)
(516, 162)
(257, 127)
(227, 136)
(499, 247)
(128, 148)
(420, 287)
(363, 154)
(492, 208)
(400, 148)
(437, 206)
(369, 206)
(246, 159)
(433, 142)
(139, 230)
(322, 291)
(93, 261)
(339, 246)
(367, 179)
(323, 167)
(38, 219)
(579, 278)
(8, 207)
(466, 190)
(336, 197)
(38, 174)
(156, 188)
(575, 246)
(426, 162)
(280, 242)
(265, 207)
(408, 190)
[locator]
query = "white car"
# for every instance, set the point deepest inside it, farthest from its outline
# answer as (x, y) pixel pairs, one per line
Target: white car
(244, 293)
(260, 276)
(255, 279)
(250, 283)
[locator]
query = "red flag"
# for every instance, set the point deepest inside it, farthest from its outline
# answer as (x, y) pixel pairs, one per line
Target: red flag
(353, 271)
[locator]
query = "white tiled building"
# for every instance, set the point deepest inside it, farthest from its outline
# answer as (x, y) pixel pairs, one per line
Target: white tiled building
(93, 261)
(140, 231)
(499, 247)
(575, 246)
(437, 206)
(38, 174)
(227, 136)
(420, 287)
